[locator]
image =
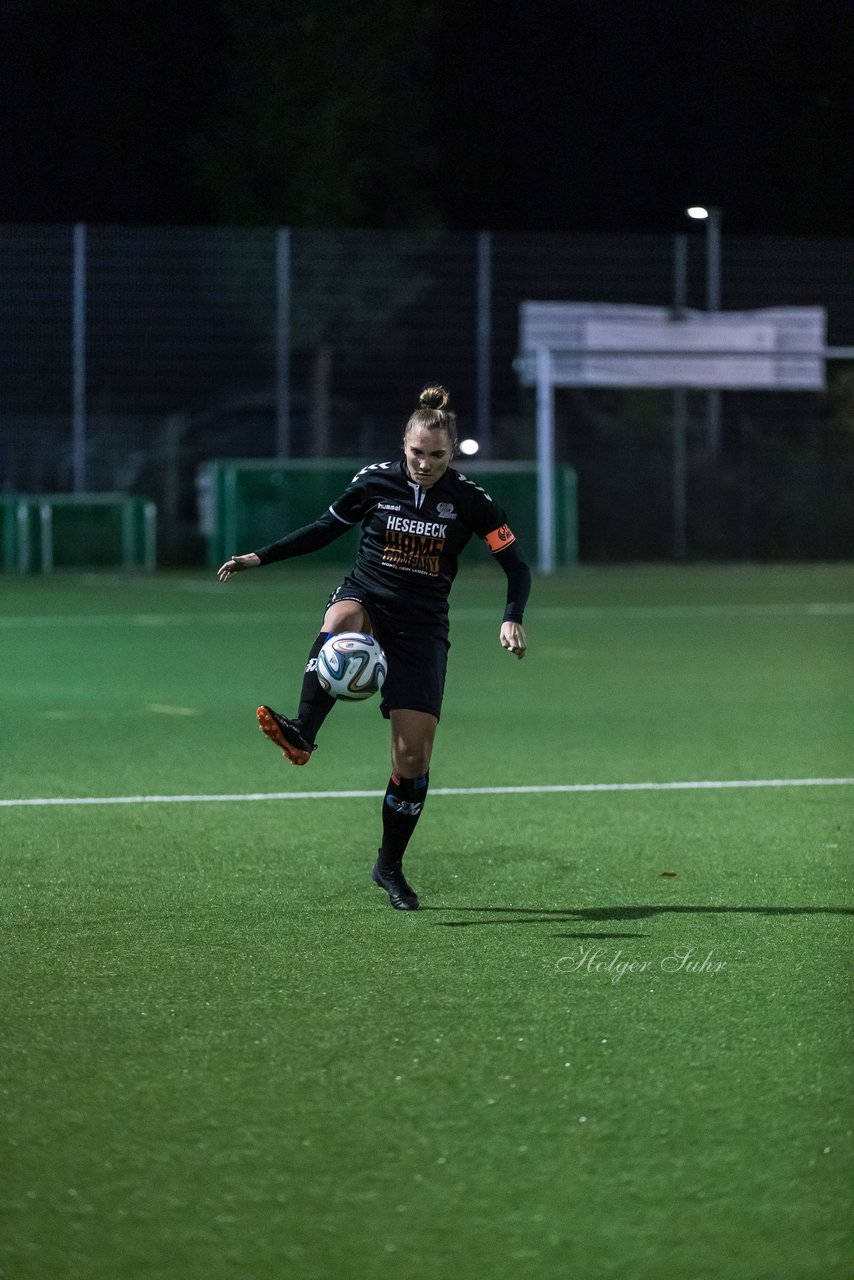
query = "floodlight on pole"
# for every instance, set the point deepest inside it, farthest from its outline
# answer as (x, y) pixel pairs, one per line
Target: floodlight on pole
(712, 218)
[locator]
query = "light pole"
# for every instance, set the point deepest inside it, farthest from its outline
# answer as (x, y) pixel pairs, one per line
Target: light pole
(712, 218)
(679, 400)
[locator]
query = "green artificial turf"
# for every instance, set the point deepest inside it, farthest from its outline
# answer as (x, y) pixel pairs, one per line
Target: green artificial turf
(225, 1058)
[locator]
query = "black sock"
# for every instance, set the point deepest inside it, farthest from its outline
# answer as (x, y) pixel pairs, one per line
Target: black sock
(402, 805)
(314, 703)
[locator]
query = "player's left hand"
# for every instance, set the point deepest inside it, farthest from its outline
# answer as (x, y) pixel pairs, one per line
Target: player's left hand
(513, 638)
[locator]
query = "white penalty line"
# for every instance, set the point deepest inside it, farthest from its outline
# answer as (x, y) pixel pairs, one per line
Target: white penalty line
(562, 789)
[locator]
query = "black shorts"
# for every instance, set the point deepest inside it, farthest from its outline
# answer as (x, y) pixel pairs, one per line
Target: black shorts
(417, 660)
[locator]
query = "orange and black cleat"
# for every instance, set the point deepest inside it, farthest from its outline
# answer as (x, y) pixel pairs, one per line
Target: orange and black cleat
(286, 734)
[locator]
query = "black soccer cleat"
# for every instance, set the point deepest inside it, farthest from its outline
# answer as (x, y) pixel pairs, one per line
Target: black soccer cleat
(401, 895)
(286, 734)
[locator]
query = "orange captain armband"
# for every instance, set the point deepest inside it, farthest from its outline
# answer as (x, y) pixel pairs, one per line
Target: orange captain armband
(500, 538)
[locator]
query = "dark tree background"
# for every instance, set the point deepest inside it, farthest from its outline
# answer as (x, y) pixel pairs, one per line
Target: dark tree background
(575, 115)
(325, 116)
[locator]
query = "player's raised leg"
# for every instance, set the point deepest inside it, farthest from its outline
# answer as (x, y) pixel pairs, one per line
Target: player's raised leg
(297, 737)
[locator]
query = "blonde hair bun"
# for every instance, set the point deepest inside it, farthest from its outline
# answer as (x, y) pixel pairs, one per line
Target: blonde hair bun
(433, 397)
(432, 415)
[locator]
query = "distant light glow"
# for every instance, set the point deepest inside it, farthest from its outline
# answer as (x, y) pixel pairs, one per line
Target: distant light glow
(469, 447)
(697, 211)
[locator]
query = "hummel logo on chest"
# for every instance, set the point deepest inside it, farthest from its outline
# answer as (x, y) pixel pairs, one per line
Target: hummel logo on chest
(388, 506)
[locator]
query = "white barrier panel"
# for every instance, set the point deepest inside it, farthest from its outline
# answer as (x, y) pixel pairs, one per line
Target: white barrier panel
(596, 344)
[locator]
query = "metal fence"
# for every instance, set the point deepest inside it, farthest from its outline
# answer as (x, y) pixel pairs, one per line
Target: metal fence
(130, 355)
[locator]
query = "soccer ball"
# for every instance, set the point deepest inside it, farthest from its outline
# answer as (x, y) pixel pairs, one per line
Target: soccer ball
(351, 666)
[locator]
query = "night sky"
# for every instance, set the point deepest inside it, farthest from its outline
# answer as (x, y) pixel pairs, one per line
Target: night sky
(606, 115)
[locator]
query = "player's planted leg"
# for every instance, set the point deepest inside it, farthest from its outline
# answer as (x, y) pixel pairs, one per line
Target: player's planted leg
(402, 806)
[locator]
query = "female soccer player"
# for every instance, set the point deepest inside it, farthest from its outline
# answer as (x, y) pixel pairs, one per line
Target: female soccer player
(416, 515)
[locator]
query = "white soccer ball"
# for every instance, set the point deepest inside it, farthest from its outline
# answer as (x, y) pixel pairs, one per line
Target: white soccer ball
(351, 666)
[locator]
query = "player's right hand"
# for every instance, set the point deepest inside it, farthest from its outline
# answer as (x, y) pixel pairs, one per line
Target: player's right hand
(236, 565)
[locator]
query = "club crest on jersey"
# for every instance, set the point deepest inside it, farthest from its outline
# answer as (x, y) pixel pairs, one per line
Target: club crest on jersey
(446, 510)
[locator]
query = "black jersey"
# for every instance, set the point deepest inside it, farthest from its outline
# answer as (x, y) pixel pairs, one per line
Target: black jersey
(412, 537)
(411, 542)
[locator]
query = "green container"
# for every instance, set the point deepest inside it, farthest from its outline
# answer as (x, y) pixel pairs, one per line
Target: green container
(19, 533)
(252, 503)
(42, 532)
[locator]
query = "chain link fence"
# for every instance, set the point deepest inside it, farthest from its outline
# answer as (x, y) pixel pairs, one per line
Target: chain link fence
(128, 356)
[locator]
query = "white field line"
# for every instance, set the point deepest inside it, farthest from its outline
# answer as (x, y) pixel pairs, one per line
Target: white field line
(574, 787)
(572, 613)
